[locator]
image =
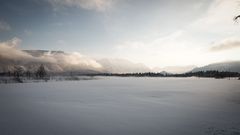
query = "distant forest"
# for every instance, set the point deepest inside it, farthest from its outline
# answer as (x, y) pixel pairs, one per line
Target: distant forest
(41, 73)
(212, 74)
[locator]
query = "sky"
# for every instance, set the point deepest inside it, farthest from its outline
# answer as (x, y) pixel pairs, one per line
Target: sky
(157, 33)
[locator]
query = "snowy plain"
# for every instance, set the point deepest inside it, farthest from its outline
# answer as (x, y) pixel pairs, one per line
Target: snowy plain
(122, 106)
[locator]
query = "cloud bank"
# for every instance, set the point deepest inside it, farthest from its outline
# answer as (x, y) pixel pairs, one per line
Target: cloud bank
(227, 44)
(10, 56)
(58, 61)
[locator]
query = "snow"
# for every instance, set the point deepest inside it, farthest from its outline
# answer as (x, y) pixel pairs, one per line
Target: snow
(121, 106)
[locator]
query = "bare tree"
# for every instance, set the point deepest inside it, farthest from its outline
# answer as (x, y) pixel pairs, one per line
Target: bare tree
(41, 72)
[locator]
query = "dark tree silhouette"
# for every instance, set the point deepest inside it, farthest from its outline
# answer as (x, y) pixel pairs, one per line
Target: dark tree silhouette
(214, 74)
(237, 17)
(41, 72)
(18, 72)
(28, 74)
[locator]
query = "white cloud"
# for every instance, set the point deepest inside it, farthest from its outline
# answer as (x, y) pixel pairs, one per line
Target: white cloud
(4, 26)
(97, 5)
(8, 50)
(11, 55)
(13, 42)
(189, 46)
(219, 17)
(170, 50)
(227, 44)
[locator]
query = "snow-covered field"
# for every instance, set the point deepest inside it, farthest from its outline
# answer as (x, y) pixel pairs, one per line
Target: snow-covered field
(122, 106)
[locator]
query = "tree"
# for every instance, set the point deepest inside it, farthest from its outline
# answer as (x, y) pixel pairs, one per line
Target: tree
(237, 17)
(28, 74)
(18, 71)
(41, 72)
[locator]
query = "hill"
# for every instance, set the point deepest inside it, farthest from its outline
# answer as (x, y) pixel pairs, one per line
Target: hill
(232, 66)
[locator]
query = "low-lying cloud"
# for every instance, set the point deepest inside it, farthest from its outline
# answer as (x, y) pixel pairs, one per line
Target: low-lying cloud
(227, 44)
(10, 56)
(8, 50)
(58, 61)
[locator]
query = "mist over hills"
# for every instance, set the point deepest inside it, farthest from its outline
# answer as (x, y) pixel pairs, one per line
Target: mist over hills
(122, 66)
(59, 62)
(174, 69)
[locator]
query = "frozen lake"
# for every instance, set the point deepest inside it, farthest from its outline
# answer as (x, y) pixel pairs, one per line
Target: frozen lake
(122, 106)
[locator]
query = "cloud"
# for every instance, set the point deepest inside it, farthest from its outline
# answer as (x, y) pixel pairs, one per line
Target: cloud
(10, 55)
(227, 44)
(8, 50)
(187, 45)
(4, 26)
(58, 61)
(170, 50)
(97, 5)
(219, 17)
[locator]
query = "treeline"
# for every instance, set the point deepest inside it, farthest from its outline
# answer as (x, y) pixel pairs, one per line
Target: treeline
(147, 74)
(212, 74)
(19, 73)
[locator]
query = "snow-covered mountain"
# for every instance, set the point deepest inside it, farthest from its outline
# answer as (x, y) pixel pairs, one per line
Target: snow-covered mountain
(122, 66)
(231, 66)
(174, 69)
(39, 53)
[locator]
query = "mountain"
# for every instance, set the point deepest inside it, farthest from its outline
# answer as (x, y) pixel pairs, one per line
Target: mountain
(174, 69)
(231, 66)
(165, 73)
(59, 61)
(122, 66)
(39, 53)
